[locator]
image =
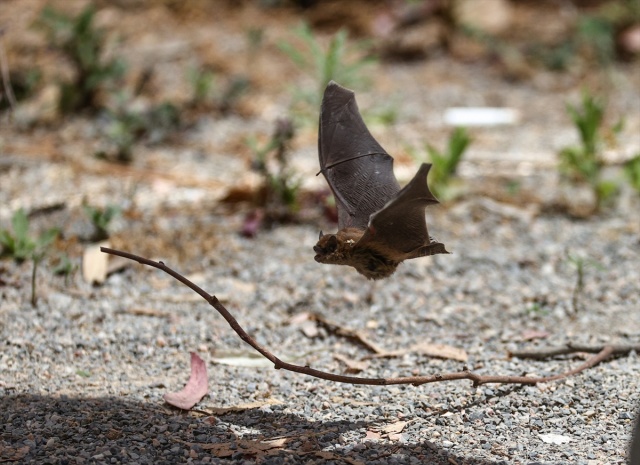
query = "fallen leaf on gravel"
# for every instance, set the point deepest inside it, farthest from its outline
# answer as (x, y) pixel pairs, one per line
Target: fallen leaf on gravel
(95, 263)
(307, 324)
(348, 333)
(396, 427)
(353, 366)
(337, 458)
(195, 389)
(428, 349)
(372, 435)
(245, 446)
(531, 334)
(241, 407)
(241, 359)
(146, 311)
(309, 329)
(441, 351)
(11, 454)
(555, 438)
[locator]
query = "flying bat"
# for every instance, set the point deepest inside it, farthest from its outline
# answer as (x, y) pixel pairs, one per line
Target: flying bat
(379, 224)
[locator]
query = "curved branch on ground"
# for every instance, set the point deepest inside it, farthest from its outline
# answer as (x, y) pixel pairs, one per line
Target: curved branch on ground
(602, 354)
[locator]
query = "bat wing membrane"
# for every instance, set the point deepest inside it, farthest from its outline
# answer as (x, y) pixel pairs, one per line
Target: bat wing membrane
(359, 171)
(400, 226)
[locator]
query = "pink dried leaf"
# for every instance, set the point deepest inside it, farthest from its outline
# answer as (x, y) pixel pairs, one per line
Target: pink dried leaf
(531, 334)
(195, 389)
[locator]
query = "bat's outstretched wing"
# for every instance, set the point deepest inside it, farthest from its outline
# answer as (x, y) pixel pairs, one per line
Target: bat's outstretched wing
(359, 171)
(400, 226)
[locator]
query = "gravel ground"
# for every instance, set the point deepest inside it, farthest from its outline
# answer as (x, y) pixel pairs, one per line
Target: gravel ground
(83, 374)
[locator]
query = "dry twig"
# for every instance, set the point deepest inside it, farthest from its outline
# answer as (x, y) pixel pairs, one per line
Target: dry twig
(477, 379)
(574, 349)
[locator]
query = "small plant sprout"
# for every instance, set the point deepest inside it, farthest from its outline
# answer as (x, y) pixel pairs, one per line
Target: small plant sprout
(125, 128)
(84, 45)
(445, 164)
(632, 172)
(202, 85)
(338, 61)
(64, 267)
(580, 263)
(100, 219)
(21, 246)
(583, 163)
(255, 39)
(280, 184)
(536, 309)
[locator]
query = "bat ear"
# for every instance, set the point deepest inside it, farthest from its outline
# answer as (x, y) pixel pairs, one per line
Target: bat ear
(320, 236)
(332, 244)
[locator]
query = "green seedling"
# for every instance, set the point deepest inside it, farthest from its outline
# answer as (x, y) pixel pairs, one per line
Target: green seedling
(597, 34)
(126, 127)
(100, 219)
(83, 44)
(202, 82)
(237, 87)
(583, 163)
(21, 246)
(122, 131)
(632, 172)
(537, 310)
(445, 164)
(580, 264)
(338, 61)
(255, 39)
(280, 184)
(65, 267)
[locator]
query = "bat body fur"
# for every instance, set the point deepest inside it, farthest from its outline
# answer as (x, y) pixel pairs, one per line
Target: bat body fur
(380, 225)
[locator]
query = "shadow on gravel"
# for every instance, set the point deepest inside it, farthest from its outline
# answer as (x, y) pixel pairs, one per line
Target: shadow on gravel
(66, 430)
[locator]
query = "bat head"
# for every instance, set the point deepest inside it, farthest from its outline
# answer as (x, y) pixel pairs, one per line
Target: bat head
(333, 249)
(342, 249)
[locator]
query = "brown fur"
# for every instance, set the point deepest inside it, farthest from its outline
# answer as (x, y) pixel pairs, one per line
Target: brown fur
(340, 249)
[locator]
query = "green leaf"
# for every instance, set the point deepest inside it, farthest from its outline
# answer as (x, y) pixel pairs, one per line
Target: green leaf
(7, 241)
(20, 224)
(632, 172)
(47, 237)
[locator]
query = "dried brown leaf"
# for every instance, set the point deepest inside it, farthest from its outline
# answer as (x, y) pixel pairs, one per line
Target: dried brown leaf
(241, 407)
(309, 329)
(146, 311)
(394, 428)
(348, 333)
(10, 454)
(353, 366)
(425, 348)
(531, 334)
(338, 458)
(246, 446)
(441, 351)
(372, 435)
